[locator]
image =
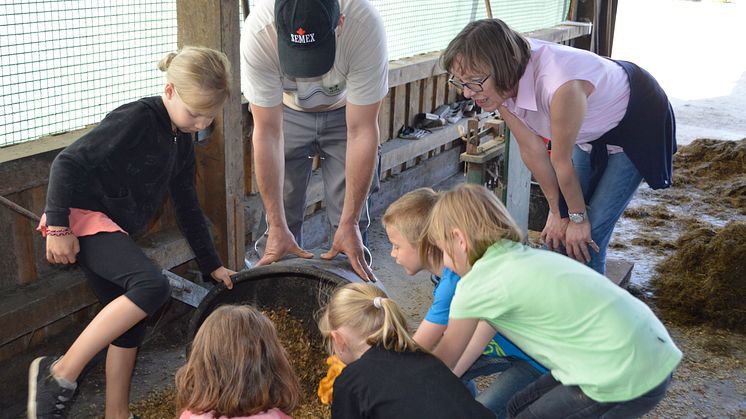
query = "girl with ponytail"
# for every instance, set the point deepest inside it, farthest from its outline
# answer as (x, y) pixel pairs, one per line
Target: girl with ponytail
(387, 374)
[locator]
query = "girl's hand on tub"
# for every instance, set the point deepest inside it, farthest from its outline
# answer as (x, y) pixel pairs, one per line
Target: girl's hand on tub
(223, 274)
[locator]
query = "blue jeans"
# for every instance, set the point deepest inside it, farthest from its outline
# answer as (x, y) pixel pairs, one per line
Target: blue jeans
(515, 374)
(615, 190)
(548, 398)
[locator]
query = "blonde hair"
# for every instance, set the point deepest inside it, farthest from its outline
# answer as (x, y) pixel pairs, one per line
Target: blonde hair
(409, 215)
(201, 76)
(354, 306)
(237, 367)
(476, 211)
(489, 45)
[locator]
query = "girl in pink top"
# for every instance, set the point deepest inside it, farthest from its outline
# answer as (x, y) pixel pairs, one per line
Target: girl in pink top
(237, 369)
(610, 123)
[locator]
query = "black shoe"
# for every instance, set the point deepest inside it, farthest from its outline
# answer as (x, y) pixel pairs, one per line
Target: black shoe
(409, 133)
(428, 121)
(46, 398)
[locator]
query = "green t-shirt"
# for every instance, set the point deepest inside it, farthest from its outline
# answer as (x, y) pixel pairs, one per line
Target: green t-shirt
(585, 329)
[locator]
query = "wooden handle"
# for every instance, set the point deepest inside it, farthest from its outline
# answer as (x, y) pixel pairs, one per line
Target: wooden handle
(19, 209)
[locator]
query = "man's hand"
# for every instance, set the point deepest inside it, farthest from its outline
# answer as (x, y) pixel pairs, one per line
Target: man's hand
(578, 238)
(223, 274)
(553, 234)
(280, 242)
(62, 249)
(347, 240)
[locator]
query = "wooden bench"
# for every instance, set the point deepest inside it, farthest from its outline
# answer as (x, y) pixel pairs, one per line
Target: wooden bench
(27, 311)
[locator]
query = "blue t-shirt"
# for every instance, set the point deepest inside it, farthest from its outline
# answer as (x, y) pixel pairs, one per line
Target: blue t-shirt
(441, 307)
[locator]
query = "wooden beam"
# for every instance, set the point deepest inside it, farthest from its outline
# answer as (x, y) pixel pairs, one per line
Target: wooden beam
(406, 70)
(562, 32)
(41, 145)
(220, 164)
(400, 110)
(414, 98)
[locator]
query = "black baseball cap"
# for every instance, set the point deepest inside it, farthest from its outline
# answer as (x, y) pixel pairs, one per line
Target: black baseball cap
(306, 40)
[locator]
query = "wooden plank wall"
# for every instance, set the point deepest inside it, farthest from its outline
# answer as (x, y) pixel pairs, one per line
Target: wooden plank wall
(403, 102)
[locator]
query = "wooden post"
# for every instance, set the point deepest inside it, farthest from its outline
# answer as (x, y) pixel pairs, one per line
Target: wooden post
(472, 136)
(220, 165)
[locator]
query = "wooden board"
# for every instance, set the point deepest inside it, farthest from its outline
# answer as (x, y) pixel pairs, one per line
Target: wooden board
(220, 164)
(384, 118)
(414, 100)
(440, 91)
(619, 271)
(428, 95)
(399, 110)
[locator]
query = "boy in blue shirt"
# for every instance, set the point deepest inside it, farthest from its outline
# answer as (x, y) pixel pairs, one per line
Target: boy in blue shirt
(488, 352)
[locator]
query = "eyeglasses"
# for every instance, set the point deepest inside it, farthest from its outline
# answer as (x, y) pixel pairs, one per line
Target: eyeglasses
(474, 86)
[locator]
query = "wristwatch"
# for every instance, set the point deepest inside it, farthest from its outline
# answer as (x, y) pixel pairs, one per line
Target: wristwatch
(577, 217)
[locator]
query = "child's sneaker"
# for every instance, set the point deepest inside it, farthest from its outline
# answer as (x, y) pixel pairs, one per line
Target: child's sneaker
(47, 398)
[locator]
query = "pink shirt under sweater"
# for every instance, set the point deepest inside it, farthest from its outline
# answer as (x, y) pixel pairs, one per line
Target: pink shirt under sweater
(84, 223)
(552, 65)
(274, 413)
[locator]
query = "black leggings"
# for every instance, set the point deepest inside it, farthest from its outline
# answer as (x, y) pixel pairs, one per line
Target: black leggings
(115, 266)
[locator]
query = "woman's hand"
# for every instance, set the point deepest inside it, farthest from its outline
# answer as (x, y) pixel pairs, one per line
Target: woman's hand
(223, 274)
(554, 232)
(62, 249)
(578, 239)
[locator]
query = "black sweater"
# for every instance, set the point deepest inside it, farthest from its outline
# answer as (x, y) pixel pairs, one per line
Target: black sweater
(124, 167)
(384, 384)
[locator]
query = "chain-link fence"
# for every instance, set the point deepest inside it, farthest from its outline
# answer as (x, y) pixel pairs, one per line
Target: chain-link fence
(65, 64)
(419, 26)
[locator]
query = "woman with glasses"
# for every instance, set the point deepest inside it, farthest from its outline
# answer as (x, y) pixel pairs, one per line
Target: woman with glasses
(610, 124)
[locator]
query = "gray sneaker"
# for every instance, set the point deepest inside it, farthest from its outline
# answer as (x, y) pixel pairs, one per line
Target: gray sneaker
(46, 397)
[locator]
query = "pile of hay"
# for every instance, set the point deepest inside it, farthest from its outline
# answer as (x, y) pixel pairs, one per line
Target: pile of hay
(705, 280)
(308, 357)
(716, 166)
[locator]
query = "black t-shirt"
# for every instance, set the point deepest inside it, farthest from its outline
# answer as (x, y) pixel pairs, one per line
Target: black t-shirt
(409, 385)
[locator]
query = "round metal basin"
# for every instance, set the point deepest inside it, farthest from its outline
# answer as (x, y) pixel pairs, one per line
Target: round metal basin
(300, 286)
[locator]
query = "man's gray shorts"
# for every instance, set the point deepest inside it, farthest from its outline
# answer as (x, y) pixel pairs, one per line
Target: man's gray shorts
(308, 133)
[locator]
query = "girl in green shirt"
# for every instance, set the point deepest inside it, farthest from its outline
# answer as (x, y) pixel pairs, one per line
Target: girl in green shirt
(608, 354)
